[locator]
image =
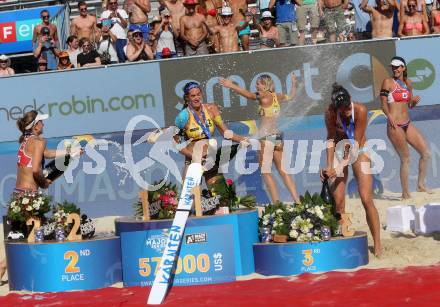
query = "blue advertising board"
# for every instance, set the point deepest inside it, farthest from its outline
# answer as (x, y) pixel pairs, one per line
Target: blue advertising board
(51, 267)
(16, 28)
(206, 256)
(302, 257)
(84, 101)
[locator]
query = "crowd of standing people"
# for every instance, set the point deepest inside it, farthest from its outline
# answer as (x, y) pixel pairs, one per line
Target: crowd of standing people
(126, 32)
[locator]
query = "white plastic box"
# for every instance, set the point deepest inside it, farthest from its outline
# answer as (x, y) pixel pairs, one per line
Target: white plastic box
(401, 218)
(427, 219)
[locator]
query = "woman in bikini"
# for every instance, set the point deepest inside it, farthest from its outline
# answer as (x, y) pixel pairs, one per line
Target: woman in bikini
(30, 158)
(347, 120)
(435, 14)
(396, 97)
(197, 123)
(269, 134)
(412, 23)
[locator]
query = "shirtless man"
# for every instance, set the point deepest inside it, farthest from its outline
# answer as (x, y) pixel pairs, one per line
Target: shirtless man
(333, 13)
(239, 8)
(177, 10)
(45, 17)
(228, 31)
(193, 30)
(212, 20)
(85, 24)
(138, 15)
(381, 17)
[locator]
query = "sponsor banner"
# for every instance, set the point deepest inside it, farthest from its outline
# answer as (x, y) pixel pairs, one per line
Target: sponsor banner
(316, 67)
(206, 256)
(422, 65)
(83, 101)
(16, 28)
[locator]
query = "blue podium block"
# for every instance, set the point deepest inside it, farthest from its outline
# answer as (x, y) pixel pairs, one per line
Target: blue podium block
(214, 248)
(294, 258)
(53, 266)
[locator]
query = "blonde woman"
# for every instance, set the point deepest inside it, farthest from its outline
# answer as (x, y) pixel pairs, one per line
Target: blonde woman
(270, 136)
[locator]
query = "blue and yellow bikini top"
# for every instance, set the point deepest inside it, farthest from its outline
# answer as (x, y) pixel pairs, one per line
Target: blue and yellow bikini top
(273, 110)
(195, 128)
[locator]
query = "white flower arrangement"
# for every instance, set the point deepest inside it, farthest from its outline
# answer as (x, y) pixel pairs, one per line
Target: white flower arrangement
(300, 222)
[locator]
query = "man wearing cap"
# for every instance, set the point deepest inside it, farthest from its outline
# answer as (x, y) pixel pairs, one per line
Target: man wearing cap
(46, 48)
(165, 35)
(45, 17)
(5, 69)
(286, 21)
(193, 30)
(85, 24)
(139, 50)
(239, 9)
(228, 31)
(119, 19)
(381, 17)
(138, 15)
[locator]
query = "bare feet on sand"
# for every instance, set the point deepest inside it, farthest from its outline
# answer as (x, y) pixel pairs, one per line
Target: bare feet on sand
(424, 189)
(406, 196)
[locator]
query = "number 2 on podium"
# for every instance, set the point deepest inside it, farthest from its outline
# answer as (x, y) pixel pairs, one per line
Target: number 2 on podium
(71, 266)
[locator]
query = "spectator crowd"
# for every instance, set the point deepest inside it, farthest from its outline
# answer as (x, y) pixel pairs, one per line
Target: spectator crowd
(125, 33)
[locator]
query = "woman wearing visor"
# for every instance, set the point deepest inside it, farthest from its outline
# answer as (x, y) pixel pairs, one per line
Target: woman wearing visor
(30, 158)
(396, 97)
(347, 120)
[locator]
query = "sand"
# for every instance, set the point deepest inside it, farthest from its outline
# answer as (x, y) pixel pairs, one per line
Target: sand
(399, 250)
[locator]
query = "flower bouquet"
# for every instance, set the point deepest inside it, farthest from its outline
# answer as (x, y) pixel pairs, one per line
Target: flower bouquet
(23, 206)
(228, 196)
(163, 202)
(59, 219)
(300, 222)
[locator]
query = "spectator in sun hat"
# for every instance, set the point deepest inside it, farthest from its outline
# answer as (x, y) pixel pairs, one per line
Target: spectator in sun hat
(64, 61)
(139, 50)
(5, 69)
(165, 36)
(269, 36)
(42, 64)
(228, 31)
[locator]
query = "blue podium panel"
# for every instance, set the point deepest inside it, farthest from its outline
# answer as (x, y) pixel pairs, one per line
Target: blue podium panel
(51, 267)
(243, 223)
(295, 258)
(206, 256)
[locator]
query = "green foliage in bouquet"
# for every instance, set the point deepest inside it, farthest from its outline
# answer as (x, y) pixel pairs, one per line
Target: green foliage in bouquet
(61, 211)
(300, 222)
(24, 205)
(228, 196)
(277, 217)
(163, 202)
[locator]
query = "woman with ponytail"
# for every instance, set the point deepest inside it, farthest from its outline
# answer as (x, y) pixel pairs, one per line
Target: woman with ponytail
(271, 138)
(346, 121)
(397, 98)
